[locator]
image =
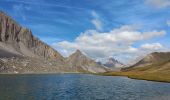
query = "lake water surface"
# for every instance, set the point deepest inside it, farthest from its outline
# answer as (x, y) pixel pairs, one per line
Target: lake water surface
(80, 87)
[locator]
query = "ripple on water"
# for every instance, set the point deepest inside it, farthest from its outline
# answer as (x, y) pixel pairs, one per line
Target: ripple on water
(80, 87)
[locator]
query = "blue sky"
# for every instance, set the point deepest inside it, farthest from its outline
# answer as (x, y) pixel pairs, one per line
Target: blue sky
(67, 24)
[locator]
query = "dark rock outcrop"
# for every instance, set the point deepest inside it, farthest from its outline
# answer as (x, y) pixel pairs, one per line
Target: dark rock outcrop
(112, 63)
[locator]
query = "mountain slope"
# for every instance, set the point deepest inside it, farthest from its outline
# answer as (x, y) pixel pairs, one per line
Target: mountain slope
(18, 40)
(21, 52)
(79, 62)
(153, 59)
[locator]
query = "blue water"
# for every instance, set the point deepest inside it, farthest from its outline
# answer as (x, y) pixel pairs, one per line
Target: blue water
(80, 87)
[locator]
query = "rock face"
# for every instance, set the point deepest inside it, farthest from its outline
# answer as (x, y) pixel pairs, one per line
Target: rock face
(112, 63)
(21, 41)
(79, 62)
(151, 60)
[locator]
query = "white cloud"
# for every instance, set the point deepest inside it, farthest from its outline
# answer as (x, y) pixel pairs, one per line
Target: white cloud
(96, 21)
(168, 23)
(158, 3)
(94, 14)
(132, 50)
(152, 46)
(117, 42)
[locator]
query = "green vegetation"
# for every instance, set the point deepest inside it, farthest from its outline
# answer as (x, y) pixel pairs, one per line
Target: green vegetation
(155, 72)
(151, 76)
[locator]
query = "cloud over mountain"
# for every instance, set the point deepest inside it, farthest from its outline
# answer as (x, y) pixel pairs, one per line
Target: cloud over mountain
(98, 28)
(118, 41)
(153, 46)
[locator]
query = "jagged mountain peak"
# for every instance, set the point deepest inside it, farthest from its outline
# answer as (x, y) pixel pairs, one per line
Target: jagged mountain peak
(78, 56)
(111, 59)
(79, 61)
(113, 63)
(78, 52)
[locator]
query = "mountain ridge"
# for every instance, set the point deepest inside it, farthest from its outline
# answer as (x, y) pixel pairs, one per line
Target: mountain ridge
(111, 62)
(80, 61)
(22, 40)
(21, 52)
(154, 58)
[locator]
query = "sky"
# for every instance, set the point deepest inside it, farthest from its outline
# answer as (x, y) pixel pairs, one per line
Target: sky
(123, 29)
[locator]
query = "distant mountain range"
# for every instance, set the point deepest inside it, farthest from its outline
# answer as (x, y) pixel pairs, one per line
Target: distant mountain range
(153, 67)
(21, 52)
(113, 63)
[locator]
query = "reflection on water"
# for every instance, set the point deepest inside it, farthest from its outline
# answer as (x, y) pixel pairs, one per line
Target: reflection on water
(79, 87)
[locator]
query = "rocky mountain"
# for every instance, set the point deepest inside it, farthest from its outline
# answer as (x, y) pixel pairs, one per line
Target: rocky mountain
(18, 40)
(112, 63)
(79, 62)
(21, 52)
(154, 60)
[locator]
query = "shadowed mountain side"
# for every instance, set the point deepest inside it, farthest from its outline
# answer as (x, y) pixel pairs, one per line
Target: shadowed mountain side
(7, 54)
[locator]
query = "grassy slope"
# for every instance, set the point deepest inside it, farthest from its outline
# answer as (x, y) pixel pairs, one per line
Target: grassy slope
(157, 76)
(156, 72)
